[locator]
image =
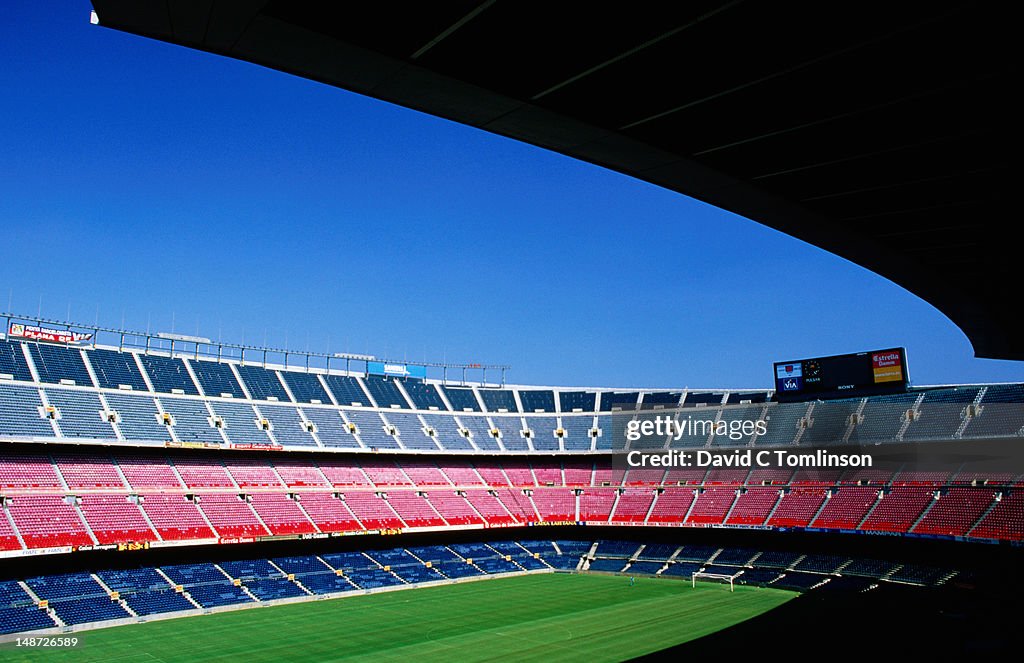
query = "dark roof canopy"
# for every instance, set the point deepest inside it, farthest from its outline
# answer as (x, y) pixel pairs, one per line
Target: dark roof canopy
(880, 131)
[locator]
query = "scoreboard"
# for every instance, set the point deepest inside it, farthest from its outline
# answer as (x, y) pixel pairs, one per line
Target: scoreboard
(842, 376)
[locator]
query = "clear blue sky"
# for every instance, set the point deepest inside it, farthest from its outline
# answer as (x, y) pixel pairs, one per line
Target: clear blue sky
(150, 184)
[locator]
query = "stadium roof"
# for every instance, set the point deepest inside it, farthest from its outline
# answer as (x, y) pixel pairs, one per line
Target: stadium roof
(878, 131)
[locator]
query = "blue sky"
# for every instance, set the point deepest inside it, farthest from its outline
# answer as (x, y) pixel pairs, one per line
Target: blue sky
(161, 187)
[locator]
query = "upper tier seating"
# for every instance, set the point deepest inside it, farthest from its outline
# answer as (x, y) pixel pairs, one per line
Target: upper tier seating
(611, 400)
(116, 369)
(462, 400)
(424, 395)
(306, 387)
(12, 361)
(499, 400)
(537, 400)
(216, 378)
(385, 392)
(347, 390)
(59, 365)
(169, 375)
(577, 401)
(262, 384)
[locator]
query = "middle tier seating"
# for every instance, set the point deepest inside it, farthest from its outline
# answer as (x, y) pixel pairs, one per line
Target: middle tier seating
(70, 499)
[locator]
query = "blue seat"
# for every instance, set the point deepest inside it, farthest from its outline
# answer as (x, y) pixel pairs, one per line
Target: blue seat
(113, 369)
(216, 378)
(306, 387)
(385, 393)
(424, 395)
(169, 375)
(262, 383)
(535, 400)
(462, 400)
(55, 363)
(12, 361)
(585, 401)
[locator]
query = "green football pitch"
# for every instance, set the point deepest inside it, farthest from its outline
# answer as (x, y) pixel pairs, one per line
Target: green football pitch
(536, 617)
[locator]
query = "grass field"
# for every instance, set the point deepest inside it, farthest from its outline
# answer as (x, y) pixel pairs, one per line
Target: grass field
(549, 617)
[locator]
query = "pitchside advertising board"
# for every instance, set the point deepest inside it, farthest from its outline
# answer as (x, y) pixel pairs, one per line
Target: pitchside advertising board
(840, 376)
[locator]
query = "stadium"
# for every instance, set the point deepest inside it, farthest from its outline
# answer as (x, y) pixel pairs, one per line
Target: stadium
(169, 496)
(138, 466)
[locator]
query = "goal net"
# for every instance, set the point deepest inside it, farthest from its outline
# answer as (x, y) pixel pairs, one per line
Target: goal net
(715, 577)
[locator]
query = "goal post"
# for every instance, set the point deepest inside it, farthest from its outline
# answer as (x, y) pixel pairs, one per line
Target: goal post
(719, 577)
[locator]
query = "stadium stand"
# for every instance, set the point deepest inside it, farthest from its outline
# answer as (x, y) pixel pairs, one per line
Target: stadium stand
(454, 508)
(424, 395)
(577, 433)
(511, 433)
(577, 401)
(12, 361)
(262, 384)
(175, 517)
(611, 401)
(633, 505)
(329, 513)
(216, 378)
(479, 433)
(596, 503)
(412, 432)
(46, 521)
(347, 390)
(462, 400)
(138, 418)
(671, 398)
(241, 481)
(241, 423)
(306, 387)
(287, 426)
(115, 519)
(446, 432)
(908, 502)
(537, 400)
(169, 375)
(330, 428)
(59, 365)
(370, 428)
(80, 414)
(385, 392)
(499, 400)
(116, 370)
(191, 421)
(543, 433)
(231, 515)
(20, 412)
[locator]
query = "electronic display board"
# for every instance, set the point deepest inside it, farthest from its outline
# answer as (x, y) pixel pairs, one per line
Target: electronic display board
(842, 376)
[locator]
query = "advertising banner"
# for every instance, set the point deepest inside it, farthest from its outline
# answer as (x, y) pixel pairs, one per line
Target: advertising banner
(18, 330)
(397, 370)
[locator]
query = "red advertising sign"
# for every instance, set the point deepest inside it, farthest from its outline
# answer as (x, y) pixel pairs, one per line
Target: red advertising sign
(887, 366)
(34, 333)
